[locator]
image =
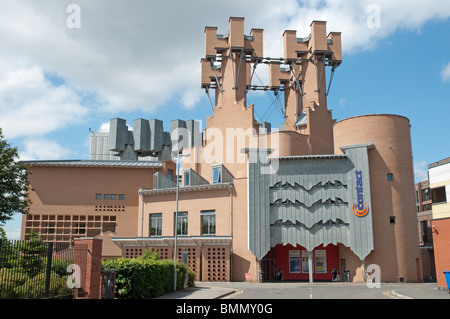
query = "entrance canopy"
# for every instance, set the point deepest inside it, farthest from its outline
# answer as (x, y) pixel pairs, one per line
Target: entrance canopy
(170, 241)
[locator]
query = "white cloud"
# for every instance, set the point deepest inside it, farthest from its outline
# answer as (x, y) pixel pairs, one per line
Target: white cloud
(445, 74)
(420, 171)
(139, 56)
(31, 106)
(42, 149)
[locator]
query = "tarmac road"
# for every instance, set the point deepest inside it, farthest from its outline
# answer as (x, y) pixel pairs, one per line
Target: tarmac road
(292, 290)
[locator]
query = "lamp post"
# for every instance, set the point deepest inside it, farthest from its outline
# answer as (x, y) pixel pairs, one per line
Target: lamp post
(176, 223)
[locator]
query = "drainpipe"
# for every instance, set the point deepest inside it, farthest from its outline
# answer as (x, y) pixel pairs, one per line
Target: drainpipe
(142, 212)
(231, 231)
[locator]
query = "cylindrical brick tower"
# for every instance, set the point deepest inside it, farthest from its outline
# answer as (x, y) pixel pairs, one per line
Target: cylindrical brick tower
(396, 243)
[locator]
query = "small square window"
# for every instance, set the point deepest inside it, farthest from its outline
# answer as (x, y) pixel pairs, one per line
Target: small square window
(390, 177)
(106, 196)
(114, 196)
(98, 196)
(121, 196)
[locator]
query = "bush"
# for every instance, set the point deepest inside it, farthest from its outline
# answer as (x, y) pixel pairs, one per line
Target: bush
(146, 276)
(10, 279)
(34, 287)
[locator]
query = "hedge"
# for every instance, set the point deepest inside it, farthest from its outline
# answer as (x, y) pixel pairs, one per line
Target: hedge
(146, 276)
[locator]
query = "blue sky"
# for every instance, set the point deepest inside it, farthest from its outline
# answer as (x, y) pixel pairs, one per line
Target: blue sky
(143, 61)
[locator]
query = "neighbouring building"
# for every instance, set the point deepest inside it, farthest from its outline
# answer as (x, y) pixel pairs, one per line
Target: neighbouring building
(425, 217)
(439, 177)
(300, 202)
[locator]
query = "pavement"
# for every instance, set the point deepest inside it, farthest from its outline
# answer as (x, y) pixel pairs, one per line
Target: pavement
(205, 290)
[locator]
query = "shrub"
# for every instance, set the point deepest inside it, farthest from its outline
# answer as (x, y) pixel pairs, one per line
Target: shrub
(34, 287)
(146, 276)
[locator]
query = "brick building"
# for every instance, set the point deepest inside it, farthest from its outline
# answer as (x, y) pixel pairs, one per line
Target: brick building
(254, 203)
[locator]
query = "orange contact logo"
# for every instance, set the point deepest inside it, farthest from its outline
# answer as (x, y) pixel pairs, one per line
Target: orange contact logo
(360, 213)
(360, 208)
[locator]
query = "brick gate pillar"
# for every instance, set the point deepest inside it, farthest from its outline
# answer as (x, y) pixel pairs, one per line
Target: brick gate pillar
(88, 255)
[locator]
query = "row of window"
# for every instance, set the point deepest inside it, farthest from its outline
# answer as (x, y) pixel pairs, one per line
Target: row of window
(110, 196)
(208, 223)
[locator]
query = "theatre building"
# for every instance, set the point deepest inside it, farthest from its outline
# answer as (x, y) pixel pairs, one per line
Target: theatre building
(314, 197)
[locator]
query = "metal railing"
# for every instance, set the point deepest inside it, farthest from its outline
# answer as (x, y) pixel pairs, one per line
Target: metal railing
(34, 269)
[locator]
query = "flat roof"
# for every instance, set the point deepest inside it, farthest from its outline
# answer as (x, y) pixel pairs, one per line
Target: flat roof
(95, 163)
(194, 188)
(441, 162)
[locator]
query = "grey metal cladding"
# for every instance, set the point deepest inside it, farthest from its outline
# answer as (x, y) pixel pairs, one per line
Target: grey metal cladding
(141, 133)
(361, 227)
(308, 202)
(259, 210)
(118, 134)
(160, 181)
(156, 135)
(195, 178)
(148, 135)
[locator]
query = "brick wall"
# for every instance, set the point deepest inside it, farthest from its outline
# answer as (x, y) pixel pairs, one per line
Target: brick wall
(441, 240)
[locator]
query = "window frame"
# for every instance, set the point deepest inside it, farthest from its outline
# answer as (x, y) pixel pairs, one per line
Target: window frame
(208, 216)
(157, 217)
(182, 219)
(435, 198)
(187, 178)
(217, 169)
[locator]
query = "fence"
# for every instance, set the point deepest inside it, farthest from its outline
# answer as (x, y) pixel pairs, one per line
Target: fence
(35, 269)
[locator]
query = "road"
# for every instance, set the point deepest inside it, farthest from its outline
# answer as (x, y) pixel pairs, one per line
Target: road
(330, 290)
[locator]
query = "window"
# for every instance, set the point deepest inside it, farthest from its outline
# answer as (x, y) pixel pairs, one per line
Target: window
(217, 175)
(51, 228)
(106, 196)
(121, 196)
(438, 195)
(186, 178)
(170, 174)
(424, 227)
(155, 224)
(114, 196)
(182, 223)
(392, 220)
(208, 223)
(98, 196)
(390, 177)
(426, 194)
(79, 228)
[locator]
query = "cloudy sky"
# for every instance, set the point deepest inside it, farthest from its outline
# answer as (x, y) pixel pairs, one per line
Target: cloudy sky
(62, 74)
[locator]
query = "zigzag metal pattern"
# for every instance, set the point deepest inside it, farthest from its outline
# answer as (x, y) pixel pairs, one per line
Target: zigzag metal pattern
(320, 224)
(308, 218)
(329, 184)
(319, 233)
(327, 202)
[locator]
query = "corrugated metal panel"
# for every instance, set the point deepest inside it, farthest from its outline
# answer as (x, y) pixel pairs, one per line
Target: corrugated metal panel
(310, 203)
(92, 163)
(195, 178)
(160, 181)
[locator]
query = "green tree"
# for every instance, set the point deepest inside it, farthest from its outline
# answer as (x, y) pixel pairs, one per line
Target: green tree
(14, 184)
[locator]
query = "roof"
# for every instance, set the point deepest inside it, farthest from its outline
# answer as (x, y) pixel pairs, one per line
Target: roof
(186, 189)
(306, 157)
(438, 163)
(93, 163)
